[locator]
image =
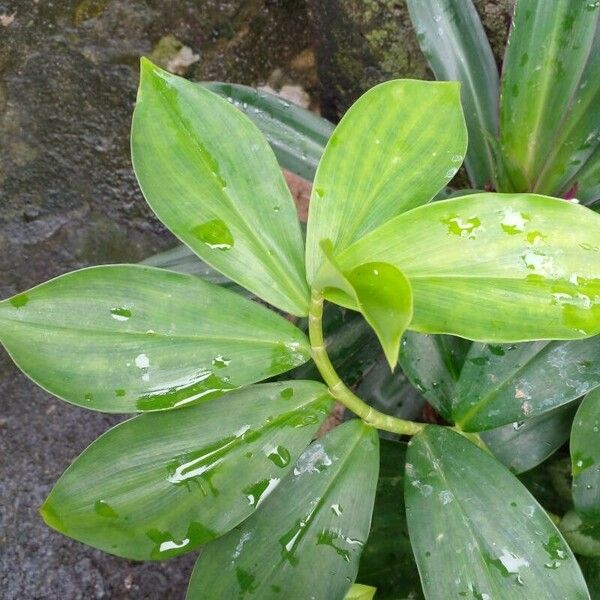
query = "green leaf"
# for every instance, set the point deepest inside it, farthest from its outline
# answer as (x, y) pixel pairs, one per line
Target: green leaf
(125, 338)
(455, 44)
(588, 179)
(378, 290)
(310, 532)
(159, 485)
(508, 383)
(476, 531)
(547, 52)
(585, 457)
(210, 176)
(584, 539)
(433, 364)
(387, 561)
(297, 135)
(576, 141)
(396, 147)
(360, 592)
(591, 570)
(523, 445)
(494, 267)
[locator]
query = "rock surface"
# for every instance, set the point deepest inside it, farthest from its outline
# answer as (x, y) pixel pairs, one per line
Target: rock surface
(364, 42)
(68, 199)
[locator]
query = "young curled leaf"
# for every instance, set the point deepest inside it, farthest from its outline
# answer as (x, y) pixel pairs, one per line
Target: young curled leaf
(378, 290)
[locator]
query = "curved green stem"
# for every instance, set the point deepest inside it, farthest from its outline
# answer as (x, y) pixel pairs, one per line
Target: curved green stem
(338, 388)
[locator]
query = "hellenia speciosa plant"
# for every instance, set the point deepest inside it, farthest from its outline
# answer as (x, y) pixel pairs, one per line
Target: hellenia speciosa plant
(220, 461)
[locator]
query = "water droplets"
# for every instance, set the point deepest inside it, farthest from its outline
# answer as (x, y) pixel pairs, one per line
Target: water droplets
(279, 456)
(120, 313)
(258, 492)
(513, 222)
(220, 362)
(314, 460)
(463, 227)
(215, 234)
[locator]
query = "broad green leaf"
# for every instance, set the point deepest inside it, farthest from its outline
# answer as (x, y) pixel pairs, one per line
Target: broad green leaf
(433, 364)
(126, 338)
(508, 383)
(584, 539)
(591, 571)
(454, 42)
(476, 531)
(585, 457)
(360, 592)
(523, 445)
(577, 138)
(309, 535)
(297, 135)
(160, 485)
(210, 176)
(548, 48)
(396, 147)
(495, 267)
(387, 561)
(378, 290)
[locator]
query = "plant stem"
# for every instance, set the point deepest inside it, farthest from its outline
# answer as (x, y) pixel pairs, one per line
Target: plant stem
(338, 388)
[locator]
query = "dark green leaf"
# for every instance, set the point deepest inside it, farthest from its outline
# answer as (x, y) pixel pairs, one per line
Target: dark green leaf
(128, 338)
(210, 176)
(508, 383)
(476, 531)
(455, 44)
(433, 364)
(585, 457)
(494, 267)
(159, 485)
(547, 52)
(387, 561)
(396, 147)
(523, 445)
(297, 135)
(308, 537)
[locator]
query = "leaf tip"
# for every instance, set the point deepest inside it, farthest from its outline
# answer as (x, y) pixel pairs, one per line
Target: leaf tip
(50, 516)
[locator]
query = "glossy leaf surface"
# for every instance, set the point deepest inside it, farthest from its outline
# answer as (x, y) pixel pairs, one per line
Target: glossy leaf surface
(576, 147)
(378, 290)
(433, 364)
(476, 531)
(396, 147)
(455, 44)
(547, 53)
(523, 445)
(160, 485)
(297, 135)
(309, 533)
(210, 176)
(495, 267)
(129, 338)
(585, 457)
(508, 383)
(387, 561)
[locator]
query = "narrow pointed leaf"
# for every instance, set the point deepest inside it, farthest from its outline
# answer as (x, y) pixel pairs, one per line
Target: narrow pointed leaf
(495, 267)
(159, 485)
(476, 531)
(591, 570)
(378, 290)
(396, 147)
(210, 176)
(577, 138)
(523, 445)
(585, 457)
(433, 364)
(454, 42)
(126, 338)
(508, 383)
(309, 534)
(546, 55)
(588, 179)
(387, 561)
(297, 135)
